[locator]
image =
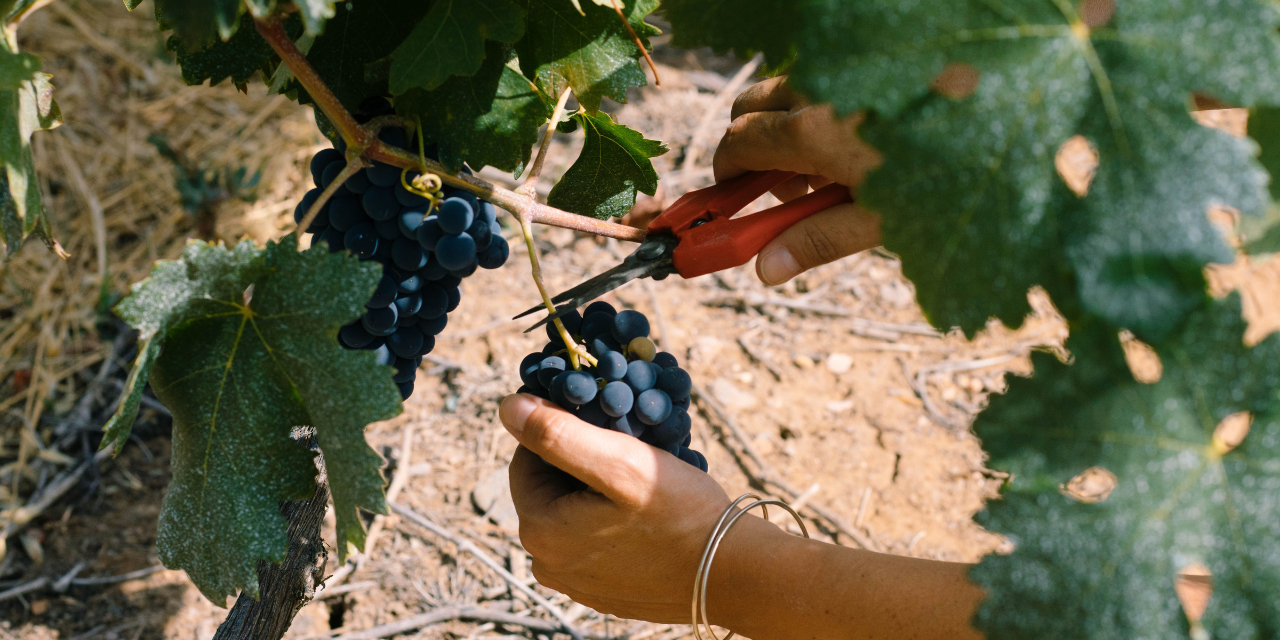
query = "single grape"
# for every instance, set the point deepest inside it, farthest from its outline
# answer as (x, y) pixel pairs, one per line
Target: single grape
(433, 272)
(639, 376)
(580, 388)
(407, 198)
(331, 172)
(495, 229)
(429, 233)
(406, 369)
(304, 205)
(642, 348)
(381, 322)
(616, 398)
(409, 220)
(480, 232)
(378, 341)
(408, 304)
(359, 182)
(676, 382)
(405, 342)
(665, 360)
(572, 323)
(592, 414)
(336, 239)
(408, 254)
(653, 406)
(383, 175)
(435, 301)
(693, 458)
(388, 229)
(428, 344)
(345, 212)
(385, 294)
(455, 297)
(629, 325)
(529, 369)
(552, 348)
(599, 306)
(672, 430)
(411, 283)
(432, 326)
(382, 355)
(406, 389)
(456, 214)
(624, 424)
(361, 240)
(354, 336)
(611, 366)
(380, 203)
(456, 252)
(557, 389)
(596, 324)
(321, 160)
(548, 369)
(603, 344)
(488, 212)
(496, 255)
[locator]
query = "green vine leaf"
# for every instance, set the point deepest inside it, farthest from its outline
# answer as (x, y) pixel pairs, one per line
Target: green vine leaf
(237, 58)
(613, 166)
(198, 24)
(1182, 495)
(968, 190)
(450, 41)
(593, 54)
(241, 346)
(361, 34)
(490, 118)
(26, 106)
(744, 27)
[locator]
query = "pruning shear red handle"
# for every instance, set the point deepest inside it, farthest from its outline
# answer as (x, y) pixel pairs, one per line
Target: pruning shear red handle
(698, 235)
(711, 240)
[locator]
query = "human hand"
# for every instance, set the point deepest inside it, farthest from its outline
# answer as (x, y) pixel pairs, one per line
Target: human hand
(775, 128)
(627, 544)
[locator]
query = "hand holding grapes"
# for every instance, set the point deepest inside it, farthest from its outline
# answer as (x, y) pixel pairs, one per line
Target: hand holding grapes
(776, 128)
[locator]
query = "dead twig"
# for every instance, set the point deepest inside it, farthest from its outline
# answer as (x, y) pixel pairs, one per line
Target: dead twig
(26, 587)
(536, 625)
(470, 547)
(758, 357)
(116, 579)
(21, 517)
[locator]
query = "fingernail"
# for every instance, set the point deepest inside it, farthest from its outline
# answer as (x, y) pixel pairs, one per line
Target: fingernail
(778, 266)
(514, 412)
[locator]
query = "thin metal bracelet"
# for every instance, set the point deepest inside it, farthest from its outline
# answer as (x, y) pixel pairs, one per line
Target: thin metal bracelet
(727, 520)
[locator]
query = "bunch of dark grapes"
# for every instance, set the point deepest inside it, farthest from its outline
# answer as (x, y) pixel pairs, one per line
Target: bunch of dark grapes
(633, 389)
(425, 252)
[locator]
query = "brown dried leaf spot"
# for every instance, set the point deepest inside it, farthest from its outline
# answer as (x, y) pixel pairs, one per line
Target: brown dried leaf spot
(1096, 13)
(1076, 162)
(1092, 485)
(1231, 431)
(1143, 361)
(957, 80)
(1194, 586)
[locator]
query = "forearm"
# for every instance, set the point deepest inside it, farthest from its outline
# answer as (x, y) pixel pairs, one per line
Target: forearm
(769, 585)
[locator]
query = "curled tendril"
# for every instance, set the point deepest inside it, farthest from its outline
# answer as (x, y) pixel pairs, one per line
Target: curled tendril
(427, 185)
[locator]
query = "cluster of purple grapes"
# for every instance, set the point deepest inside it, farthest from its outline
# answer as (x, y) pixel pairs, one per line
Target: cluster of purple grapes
(633, 389)
(425, 252)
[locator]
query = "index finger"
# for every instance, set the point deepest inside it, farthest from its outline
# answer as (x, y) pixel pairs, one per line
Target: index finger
(773, 94)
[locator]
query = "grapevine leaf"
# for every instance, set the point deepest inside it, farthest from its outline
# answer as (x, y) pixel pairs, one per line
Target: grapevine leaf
(613, 166)
(1182, 495)
(360, 34)
(593, 53)
(1264, 128)
(238, 58)
(968, 190)
(490, 118)
(199, 24)
(450, 41)
(767, 26)
(240, 345)
(26, 106)
(315, 13)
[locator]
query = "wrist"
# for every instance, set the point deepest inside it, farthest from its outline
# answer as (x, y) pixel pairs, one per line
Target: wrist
(747, 574)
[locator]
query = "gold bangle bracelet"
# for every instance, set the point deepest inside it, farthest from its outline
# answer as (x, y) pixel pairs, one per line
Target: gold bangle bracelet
(727, 520)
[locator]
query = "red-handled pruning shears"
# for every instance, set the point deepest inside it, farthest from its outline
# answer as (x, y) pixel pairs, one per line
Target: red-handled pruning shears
(698, 234)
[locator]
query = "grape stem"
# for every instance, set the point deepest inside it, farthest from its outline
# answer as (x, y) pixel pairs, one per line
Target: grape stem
(354, 163)
(365, 144)
(529, 187)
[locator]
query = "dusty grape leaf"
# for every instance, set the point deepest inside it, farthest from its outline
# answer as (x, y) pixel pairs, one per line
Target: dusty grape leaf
(741, 26)
(968, 191)
(490, 118)
(238, 58)
(199, 23)
(1106, 570)
(450, 41)
(358, 35)
(593, 54)
(240, 345)
(614, 164)
(26, 106)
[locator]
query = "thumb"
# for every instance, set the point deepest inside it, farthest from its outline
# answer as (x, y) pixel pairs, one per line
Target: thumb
(612, 463)
(824, 237)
